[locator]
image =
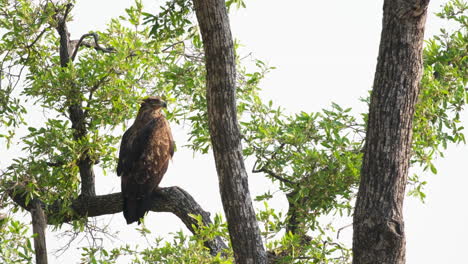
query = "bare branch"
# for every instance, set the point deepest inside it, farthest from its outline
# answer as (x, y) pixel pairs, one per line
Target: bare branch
(341, 229)
(173, 45)
(96, 45)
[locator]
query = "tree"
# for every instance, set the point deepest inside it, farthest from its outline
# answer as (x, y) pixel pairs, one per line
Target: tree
(88, 92)
(378, 218)
(84, 97)
(224, 131)
(390, 149)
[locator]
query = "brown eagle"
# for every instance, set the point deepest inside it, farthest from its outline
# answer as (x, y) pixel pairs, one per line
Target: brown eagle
(145, 151)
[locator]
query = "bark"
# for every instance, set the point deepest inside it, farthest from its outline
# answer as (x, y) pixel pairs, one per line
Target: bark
(378, 219)
(170, 199)
(77, 116)
(295, 215)
(39, 224)
(224, 131)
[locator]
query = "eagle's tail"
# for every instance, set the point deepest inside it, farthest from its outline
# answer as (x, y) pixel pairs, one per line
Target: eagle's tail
(134, 209)
(143, 207)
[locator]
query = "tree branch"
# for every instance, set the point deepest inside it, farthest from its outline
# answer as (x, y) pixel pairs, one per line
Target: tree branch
(91, 92)
(67, 11)
(169, 199)
(64, 36)
(96, 46)
(264, 169)
(75, 108)
(274, 175)
(37, 38)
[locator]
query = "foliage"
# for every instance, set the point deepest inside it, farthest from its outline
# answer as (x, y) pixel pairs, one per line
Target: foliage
(182, 249)
(443, 93)
(314, 158)
(172, 21)
(311, 155)
(21, 24)
(15, 243)
(297, 248)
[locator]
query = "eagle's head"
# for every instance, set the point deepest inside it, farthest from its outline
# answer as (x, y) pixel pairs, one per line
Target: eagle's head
(153, 102)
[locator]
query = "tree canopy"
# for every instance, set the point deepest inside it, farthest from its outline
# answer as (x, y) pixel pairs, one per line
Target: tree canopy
(85, 104)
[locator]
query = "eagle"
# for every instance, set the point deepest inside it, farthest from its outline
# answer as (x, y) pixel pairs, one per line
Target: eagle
(145, 151)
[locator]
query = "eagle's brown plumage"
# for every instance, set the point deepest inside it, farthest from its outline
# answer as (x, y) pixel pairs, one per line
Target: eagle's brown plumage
(145, 151)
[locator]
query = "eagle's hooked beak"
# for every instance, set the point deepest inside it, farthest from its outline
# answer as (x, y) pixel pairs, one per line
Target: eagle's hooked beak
(163, 104)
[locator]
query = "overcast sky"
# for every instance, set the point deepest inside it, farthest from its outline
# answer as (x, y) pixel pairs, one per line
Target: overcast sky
(324, 51)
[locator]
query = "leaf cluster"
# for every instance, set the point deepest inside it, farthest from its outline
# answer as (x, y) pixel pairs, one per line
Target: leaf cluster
(15, 245)
(443, 94)
(179, 249)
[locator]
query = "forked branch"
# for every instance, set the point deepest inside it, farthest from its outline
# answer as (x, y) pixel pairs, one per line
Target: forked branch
(95, 45)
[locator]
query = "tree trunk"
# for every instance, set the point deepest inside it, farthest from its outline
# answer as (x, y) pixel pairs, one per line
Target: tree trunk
(378, 219)
(77, 115)
(39, 224)
(225, 135)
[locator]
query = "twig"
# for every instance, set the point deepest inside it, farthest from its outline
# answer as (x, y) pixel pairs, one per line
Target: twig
(55, 164)
(339, 230)
(91, 92)
(274, 175)
(269, 172)
(37, 38)
(173, 45)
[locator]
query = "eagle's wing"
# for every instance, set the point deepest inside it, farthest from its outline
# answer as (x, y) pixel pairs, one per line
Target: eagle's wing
(171, 140)
(124, 152)
(157, 149)
(133, 146)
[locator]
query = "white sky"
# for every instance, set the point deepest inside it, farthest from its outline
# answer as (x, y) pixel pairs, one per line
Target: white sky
(324, 51)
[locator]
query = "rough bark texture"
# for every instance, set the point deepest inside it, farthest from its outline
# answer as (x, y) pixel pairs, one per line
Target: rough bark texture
(378, 219)
(225, 135)
(170, 199)
(39, 223)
